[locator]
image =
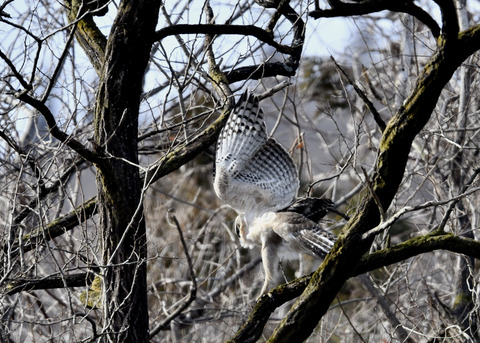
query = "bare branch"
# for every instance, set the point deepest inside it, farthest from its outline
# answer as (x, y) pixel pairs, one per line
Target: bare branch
(218, 29)
(70, 280)
(378, 119)
(193, 289)
(88, 34)
(437, 240)
(55, 131)
(346, 9)
(59, 226)
(253, 327)
(391, 160)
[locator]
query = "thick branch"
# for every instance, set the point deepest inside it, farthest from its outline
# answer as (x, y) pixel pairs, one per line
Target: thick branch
(252, 330)
(437, 240)
(186, 152)
(120, 191)
(88, 34)
(388, 173)
(24, 284)
(256, 72)
(217, 30)
(449, 18)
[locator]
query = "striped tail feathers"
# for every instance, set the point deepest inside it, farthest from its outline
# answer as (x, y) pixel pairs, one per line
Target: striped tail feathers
(317, 240)
(302, 233)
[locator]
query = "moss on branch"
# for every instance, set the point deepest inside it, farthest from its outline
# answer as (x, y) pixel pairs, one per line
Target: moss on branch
(438, 240)
(88, 34)
(58, 226)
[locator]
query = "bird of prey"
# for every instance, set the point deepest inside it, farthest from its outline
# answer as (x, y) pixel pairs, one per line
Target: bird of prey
(258, 179)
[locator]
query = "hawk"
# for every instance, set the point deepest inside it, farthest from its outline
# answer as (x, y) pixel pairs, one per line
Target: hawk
(258, 179)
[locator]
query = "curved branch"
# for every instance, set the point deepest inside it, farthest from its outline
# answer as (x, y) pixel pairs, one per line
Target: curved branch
(450, 24)
(288, 68)
(192, 295)
(341, 9)
(217, 30)
(88, 34)
(55, 131)
(255, 72)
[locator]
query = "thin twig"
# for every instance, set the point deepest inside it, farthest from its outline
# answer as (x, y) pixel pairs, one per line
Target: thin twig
(454, 202)
(382, 301)
(385, 224)
(376, 116)
(349, 321)
(268, 93)
(193, 289)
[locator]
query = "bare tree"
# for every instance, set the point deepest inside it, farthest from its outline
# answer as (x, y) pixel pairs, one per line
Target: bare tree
(111, 230)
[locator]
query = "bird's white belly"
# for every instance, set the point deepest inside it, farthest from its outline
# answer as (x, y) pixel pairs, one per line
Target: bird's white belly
(262, 228)
(259, 227)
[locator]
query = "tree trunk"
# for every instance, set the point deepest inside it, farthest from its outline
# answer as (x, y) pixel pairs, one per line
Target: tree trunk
(119, 186)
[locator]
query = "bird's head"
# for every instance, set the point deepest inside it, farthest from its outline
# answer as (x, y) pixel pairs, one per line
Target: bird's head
(241, 227)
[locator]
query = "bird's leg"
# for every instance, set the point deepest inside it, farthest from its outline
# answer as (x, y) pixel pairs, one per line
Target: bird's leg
(269, 259)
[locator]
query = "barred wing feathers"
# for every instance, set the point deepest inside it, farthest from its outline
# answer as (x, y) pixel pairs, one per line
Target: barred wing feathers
(254, 174)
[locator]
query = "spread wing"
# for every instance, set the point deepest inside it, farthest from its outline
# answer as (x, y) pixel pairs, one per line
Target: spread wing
(253, 173)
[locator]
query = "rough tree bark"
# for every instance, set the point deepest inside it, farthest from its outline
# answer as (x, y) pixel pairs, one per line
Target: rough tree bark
(118, 177)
